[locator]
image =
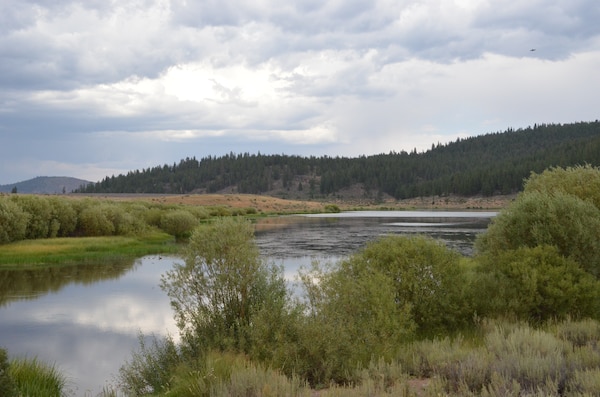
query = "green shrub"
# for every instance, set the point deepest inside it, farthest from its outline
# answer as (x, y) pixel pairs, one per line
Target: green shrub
(371, 304)
(64, 218)
(160, 370)
(40, 215)
(221, 286)
(219, 211)
(94, 221)
(13, 221)
(199, 212)
(178, 223)
(227, 375)
(251, 379)
(332, 208)
(123, 222)
(352, 303)
(275, 335)
(580, 181)
(564, 221)
(151, 367)
(427, 277)
(536, 284)
(153, 216)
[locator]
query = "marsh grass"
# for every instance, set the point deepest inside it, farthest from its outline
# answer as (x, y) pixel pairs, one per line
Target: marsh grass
(34, 378)
(75, 250)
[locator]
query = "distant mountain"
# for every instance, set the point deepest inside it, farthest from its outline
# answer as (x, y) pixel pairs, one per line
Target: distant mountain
(45, 185)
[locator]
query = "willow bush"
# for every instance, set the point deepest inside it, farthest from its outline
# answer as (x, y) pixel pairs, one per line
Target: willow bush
(179, 223)
(535, 284)
(564, 221)
(222, 285)
(13, 221)
(580, 181)
(426, 278)
(39, 217)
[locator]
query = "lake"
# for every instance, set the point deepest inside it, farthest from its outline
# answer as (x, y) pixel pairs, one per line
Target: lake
(87, 318)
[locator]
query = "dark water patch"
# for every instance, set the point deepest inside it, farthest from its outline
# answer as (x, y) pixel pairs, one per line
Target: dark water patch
(345, 233)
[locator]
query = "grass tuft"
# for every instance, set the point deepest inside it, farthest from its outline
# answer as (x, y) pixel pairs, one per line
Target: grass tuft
(37, 379)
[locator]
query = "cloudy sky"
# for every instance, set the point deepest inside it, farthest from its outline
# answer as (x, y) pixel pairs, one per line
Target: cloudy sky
(99, 87)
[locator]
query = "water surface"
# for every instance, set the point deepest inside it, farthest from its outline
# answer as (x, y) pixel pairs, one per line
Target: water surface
(341, 234)
(84, 319)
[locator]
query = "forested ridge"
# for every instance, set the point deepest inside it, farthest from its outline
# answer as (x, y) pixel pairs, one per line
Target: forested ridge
(494, 163)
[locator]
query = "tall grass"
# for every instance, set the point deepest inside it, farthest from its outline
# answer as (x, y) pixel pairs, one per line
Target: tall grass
(34, 378)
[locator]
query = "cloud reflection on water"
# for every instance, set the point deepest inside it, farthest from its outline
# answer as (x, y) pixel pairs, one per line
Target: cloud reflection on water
(90, 329)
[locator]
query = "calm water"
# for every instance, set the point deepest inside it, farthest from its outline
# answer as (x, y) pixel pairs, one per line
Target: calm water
(87, 319)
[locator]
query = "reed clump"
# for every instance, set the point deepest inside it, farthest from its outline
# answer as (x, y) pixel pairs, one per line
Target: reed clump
(33, 377)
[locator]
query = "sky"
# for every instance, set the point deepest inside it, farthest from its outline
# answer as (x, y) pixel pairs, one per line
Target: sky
(95, 88)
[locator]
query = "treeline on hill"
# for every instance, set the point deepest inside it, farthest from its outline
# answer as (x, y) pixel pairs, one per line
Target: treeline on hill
(486, 165)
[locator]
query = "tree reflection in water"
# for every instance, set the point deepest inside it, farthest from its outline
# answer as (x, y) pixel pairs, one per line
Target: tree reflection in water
(31, 283)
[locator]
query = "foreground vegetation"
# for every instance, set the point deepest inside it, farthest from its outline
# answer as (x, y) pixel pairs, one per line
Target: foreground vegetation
(405, 316)
(29, 377)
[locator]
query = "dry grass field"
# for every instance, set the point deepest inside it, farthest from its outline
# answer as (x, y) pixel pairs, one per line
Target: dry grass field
(268, 204)
(265, 204)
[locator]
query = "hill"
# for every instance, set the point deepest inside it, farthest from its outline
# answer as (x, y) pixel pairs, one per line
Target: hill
(45, 185)
(486, 165)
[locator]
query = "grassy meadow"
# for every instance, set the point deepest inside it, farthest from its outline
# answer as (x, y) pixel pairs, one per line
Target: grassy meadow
(76, 250)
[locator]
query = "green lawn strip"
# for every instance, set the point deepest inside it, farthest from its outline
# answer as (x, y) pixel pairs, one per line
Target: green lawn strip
(76, 250)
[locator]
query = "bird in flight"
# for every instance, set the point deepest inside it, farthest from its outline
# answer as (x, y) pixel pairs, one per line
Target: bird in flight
(533, 49)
